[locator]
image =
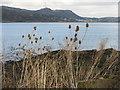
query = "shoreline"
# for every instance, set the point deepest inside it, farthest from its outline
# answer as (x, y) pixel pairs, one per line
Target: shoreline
(60, 22)
(62, 50)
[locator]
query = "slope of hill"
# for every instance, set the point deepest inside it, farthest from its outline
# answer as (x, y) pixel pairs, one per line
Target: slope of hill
(10, 14)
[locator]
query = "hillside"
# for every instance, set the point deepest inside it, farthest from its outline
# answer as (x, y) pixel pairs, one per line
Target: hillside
(43, 15)
(10, 14)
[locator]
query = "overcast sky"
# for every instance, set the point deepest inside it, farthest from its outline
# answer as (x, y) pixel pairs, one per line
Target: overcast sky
(85, 8)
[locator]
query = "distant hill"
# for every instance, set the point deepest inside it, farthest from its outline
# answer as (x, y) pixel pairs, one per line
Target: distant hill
(10, 14)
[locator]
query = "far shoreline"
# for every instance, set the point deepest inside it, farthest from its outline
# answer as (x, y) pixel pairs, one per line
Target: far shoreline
(61, 22)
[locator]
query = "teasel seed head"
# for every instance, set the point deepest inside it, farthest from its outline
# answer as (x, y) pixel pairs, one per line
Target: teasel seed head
(76, 35)
(31, 42)
(75, 39)
(33, 34)
(40, 37)
(38, 49)
(24, 54)
(28, 35)
(87, 25)
(76, 48)
(19, 44)
(77, 28)
(66, 37)
(80, 42)
(69, 26)
(36, 39)
(35, 27)
(49, 32)
(71, 39)
(52, 38)
(23, 36)
(17, 54)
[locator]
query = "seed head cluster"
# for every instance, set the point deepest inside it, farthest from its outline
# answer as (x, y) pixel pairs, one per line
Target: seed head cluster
(33, 39)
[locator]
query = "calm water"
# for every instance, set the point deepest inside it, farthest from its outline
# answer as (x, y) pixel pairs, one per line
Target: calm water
(12, 33)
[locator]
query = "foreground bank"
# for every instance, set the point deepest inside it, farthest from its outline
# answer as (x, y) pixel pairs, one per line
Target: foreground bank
(65, 69)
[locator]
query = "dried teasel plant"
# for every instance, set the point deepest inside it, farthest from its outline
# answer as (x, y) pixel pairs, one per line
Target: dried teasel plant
(19, 44)
(29, 35)
(49, 65)
(23, 36)
(87, 25)
(40, 38)
(76, 48)
(38, 49)
(33, 34)
(35, 27)
(49, 32)
(75, 35)
(75, 39)
(17, 54)
(31, 42)
(66, 37)
(53, 38)
(80, 42)
(71, 39)
(29, 38)
(69, 26)
(77, 28)
(36, 39)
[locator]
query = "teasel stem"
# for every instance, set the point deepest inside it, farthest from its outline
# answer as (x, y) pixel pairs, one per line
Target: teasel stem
(71, 42)
(48, 38)
(84, 34)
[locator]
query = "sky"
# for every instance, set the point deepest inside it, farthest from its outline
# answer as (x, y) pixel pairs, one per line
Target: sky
(85, 8)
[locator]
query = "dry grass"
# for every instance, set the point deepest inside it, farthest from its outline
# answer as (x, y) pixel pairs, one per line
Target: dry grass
(59, 69)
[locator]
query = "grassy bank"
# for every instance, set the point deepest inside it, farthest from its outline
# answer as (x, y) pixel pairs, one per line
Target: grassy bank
(62, 68)
(65, 68)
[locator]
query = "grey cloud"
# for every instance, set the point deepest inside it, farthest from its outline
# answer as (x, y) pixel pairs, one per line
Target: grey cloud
(6, 2)
(94, 3)
(95, 9)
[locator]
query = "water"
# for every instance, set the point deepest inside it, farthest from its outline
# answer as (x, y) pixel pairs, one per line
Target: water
(12, 33)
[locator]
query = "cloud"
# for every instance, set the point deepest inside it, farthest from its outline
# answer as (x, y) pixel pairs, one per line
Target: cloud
(87, 8)
(6, 1)
(94, 3)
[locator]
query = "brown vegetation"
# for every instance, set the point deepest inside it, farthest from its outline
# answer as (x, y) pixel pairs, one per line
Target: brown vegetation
(68, 68)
